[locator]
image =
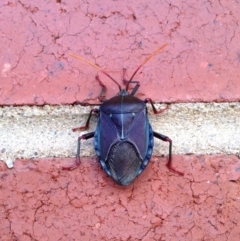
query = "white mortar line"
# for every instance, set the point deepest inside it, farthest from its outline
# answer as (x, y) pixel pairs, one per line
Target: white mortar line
(199, 128)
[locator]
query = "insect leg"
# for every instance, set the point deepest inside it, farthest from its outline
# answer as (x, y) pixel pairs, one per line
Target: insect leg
(101, 96)
(126, 82)
(77, 163)
(148, 100)
(94, 110)
(169, 164)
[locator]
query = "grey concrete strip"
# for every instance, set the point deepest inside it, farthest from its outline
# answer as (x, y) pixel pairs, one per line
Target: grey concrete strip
(200, 128)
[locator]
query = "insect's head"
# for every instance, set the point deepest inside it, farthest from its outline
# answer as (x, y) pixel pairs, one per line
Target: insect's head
(123, 92)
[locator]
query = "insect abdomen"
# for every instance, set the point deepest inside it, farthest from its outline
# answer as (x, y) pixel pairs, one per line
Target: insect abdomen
(124, 162)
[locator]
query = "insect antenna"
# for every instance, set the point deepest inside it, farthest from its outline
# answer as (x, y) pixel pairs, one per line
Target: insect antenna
(145, 61)
(98, 68)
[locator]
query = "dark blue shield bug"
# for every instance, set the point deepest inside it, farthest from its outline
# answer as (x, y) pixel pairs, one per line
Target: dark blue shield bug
(124, 138)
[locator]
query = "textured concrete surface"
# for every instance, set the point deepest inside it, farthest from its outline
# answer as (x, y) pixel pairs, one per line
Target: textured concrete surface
(201, 62)
(39, 201)
(200, 128)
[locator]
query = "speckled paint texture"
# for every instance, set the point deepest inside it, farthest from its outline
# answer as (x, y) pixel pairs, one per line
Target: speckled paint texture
(39, 201)
(201, 62)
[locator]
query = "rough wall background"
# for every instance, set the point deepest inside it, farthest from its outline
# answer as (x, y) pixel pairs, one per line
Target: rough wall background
(39, 201)
(201, 62)
(42, 132)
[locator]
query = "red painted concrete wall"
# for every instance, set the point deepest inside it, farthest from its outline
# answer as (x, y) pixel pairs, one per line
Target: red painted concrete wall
(38, 200)
(201, 62)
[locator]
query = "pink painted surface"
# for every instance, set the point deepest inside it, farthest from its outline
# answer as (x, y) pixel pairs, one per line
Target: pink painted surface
(201, 62)
(39, 201)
